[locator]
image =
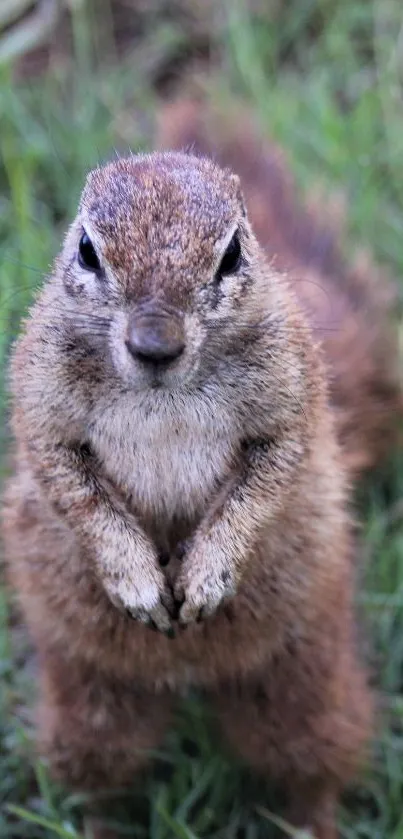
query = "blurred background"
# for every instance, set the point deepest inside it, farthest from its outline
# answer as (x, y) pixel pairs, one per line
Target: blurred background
(79, 79)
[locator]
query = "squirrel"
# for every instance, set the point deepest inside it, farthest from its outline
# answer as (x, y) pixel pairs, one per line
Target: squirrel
(186, 438)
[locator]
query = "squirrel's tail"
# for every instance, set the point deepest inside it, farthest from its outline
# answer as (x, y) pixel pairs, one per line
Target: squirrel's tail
(349, 305)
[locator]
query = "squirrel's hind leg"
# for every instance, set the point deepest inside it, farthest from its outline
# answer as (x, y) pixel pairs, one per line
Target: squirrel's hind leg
(305, 722)
(96, 733)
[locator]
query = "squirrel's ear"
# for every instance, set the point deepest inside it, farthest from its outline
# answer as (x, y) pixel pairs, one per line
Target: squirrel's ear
(238, 191)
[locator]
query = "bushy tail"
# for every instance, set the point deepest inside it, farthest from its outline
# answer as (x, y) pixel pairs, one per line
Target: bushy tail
(349, 306)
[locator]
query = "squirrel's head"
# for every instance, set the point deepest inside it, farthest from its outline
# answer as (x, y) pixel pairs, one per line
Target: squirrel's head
(162, 262)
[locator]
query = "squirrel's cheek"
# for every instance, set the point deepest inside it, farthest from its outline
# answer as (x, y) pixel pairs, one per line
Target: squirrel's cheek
(79, 283)
(195, 332)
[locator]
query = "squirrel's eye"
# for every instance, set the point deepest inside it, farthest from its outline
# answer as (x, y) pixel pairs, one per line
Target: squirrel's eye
(232, 257)
(87, 257)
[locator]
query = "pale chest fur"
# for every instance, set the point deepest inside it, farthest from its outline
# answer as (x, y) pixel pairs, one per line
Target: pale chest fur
(168, 453)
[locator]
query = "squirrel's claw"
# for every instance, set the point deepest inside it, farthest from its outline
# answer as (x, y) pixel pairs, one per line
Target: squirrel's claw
(201, 597)
(153, 606)
(158, 618)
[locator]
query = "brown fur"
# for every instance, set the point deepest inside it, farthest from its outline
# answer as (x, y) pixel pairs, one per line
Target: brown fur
(226, 460)
(348, 306)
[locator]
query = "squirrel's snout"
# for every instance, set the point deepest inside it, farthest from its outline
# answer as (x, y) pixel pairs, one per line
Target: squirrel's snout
(155, 338)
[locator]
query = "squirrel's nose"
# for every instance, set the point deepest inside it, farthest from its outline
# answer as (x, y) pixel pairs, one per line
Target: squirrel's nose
(155, 339)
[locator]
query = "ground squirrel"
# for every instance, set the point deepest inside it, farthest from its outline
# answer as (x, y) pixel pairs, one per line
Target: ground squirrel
(181, 460)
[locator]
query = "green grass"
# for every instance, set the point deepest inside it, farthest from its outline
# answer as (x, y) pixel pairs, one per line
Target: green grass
(325, 79)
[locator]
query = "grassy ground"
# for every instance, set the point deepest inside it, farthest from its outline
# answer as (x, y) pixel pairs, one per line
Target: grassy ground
(326, 81)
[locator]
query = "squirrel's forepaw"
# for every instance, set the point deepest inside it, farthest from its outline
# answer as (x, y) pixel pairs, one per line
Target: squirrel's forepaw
(150, 603)
(202, 587)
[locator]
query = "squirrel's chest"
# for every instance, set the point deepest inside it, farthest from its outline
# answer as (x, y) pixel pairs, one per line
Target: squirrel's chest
(168, 462)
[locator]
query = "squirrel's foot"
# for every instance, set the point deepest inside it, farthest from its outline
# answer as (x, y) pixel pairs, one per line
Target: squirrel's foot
(203, 584)
(150, 601)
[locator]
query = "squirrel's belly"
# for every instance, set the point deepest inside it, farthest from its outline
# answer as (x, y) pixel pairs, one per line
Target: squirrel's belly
(167, 467)
(181, 477)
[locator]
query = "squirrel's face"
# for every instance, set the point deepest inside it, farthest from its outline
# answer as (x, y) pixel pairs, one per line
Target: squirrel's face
(160, 267)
